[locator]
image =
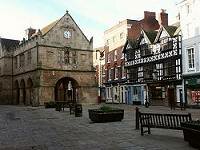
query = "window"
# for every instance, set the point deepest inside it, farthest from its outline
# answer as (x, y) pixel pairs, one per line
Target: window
(166, 44)
(29, 57)
(116, 73)
(159, 69)
(107, 42)
(188, 9)
(121, 35)
(123, 72)
(190, 52)
(22, 59)
(140, 74)
(178, 69)
(66, 57)
(145, 50)
(109, 57)
(169, 69)
(114, 39)
(148, 71)
(74, 57)
(115, 55)
(132, 74)
(109, 74)
(60, 56)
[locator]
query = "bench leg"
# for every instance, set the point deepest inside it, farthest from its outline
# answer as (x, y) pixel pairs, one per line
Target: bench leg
(142, 131)
(149, 131)
(70, 110)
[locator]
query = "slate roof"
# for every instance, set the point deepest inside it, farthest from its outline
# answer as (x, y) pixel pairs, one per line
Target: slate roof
(171, 30)
(8, 44)
(151, 35)
(48, 27)
(133, 44)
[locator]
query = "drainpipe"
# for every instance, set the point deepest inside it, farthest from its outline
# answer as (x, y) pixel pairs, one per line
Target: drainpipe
(12, 82)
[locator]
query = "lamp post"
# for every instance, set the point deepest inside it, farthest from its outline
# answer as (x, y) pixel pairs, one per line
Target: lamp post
(99, 74)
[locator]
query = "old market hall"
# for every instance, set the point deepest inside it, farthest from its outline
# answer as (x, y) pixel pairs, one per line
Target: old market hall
(54, 63)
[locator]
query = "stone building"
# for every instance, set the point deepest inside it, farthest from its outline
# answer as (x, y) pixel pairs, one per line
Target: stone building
(190, 28)
(52, 64)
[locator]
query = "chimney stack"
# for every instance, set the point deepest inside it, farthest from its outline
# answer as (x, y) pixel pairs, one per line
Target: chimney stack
(163, 18)
(149, 15)
(29, 32)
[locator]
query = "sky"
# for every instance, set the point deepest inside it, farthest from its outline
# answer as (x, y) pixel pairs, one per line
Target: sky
(92, 16)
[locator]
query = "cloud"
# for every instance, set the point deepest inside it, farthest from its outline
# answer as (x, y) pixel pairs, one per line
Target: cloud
(93, 16)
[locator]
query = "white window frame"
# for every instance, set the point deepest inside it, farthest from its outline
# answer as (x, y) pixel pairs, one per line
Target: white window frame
(116, 73)
(123, 72)
(188, 65)
(109, 74)
(115, 59)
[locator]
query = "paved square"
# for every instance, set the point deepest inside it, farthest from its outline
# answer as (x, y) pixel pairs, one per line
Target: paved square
(26, 128)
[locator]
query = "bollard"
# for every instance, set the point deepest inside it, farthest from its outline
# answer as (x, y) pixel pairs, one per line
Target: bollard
(137, 117)
(78, 110)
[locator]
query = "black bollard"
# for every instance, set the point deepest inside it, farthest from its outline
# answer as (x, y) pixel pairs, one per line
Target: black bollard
(137, 117)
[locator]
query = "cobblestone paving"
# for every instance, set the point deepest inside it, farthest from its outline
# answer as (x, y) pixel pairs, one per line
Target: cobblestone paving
(28, 128)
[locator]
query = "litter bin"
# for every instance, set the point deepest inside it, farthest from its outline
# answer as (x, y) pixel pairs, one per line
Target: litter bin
(78, 110)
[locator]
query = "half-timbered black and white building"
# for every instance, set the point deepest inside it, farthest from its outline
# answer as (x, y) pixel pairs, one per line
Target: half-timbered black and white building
(153, 65)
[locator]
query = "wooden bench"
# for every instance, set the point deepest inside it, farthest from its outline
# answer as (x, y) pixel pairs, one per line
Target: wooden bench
(165, 121)
(66, 104)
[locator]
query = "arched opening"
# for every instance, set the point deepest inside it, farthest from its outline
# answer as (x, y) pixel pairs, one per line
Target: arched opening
(29, 92)
(66, 89)
(16, 88)
(22, 92)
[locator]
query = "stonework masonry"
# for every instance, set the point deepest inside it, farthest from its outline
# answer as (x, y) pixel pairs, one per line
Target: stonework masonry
(39, 68)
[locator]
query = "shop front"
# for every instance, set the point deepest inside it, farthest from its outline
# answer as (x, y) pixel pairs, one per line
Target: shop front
(192, 90)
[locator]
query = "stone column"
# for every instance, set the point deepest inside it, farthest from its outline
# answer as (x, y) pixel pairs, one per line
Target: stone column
(21, 96)
(28, 96)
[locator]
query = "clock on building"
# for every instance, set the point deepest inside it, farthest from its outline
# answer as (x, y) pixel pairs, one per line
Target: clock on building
(67, 34)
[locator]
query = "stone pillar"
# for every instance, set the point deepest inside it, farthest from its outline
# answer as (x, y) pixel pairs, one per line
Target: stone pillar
(35, 97)
(21, 96)
(28, 96)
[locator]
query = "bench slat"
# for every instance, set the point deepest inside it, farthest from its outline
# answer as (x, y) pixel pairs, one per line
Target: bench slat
(165, 121)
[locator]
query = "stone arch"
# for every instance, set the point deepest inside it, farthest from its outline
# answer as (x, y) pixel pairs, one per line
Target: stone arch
(29, 92)
(66, 89)
(22, 92)
(16, 92)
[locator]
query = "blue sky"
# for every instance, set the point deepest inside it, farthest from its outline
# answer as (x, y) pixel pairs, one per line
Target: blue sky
(93, 16)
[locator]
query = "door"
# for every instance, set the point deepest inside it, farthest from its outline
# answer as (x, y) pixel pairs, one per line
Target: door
(171, 97)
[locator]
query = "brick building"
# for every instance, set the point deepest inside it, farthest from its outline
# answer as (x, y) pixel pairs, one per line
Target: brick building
(115, 39)
(54, 63)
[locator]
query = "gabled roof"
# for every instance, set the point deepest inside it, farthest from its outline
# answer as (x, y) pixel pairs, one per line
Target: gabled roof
(50, 26)
(170, 30)
(132, 43)
(8, 44)
(151, 35)
(178, 30)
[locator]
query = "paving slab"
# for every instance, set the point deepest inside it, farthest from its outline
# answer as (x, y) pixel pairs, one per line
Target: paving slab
(28, 128)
